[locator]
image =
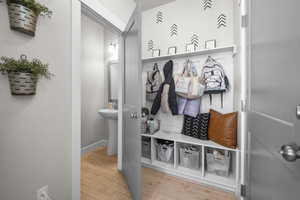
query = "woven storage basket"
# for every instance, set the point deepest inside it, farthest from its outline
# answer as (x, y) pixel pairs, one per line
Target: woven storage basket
(22, 83)
(22, 19)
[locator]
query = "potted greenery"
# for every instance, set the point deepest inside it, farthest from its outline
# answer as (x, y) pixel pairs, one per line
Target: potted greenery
(23, 15)
(23, 74)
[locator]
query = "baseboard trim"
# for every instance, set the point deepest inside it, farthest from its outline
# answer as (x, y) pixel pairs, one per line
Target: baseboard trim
(91, 147)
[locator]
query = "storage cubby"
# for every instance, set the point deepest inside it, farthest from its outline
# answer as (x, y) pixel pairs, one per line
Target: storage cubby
(222, 166)
(188, 171)
(218, 161)
(189, 156)
(164, 152)
(146, 148)
(189, 159)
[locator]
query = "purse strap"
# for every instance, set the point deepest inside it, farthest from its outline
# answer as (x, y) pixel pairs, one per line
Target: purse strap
(188, 67)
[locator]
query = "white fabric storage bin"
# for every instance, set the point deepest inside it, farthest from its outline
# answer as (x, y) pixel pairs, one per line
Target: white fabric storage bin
(218, 161)
(190, 156)
(146, 147)
(165, 151)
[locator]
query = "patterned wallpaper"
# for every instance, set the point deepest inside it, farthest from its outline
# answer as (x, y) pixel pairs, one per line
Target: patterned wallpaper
(187, 22)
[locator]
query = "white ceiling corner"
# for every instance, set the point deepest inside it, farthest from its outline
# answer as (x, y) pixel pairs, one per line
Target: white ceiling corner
(148, 4)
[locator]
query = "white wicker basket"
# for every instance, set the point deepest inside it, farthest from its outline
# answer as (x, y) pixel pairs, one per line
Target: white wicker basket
(22, 19)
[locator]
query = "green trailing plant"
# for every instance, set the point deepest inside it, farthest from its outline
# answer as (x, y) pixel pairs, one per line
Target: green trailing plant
(35, 66)
(36, 7)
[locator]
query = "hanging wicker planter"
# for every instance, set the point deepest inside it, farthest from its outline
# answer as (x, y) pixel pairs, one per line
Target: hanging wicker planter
(23, 74)
(22, 19)
(22, 83)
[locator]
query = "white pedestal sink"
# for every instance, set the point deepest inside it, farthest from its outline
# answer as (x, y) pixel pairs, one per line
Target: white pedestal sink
(112, 116)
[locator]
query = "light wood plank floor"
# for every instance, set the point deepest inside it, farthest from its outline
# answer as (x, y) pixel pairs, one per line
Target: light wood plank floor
(100, 180)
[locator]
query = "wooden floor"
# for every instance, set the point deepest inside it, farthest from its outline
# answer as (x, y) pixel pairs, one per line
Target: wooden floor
(100, 180)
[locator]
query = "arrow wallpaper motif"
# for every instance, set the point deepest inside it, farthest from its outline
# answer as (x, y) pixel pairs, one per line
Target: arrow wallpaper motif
(150, 45)
(159, 17)
(202, 23)
(174, 30)
(221, 22)
(195, 40)
(207, 4)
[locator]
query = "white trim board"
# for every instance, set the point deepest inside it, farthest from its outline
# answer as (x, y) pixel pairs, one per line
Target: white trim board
(191, 54)
(120, 102)
(91, 147)
(76, 97)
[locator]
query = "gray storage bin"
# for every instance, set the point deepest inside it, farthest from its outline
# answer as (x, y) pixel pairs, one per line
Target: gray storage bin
(190, 156)
(143, 125)
(165, 151)
(218, 161)
(146, 147)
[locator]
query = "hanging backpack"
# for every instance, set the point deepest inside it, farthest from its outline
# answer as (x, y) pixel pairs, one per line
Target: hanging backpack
(154, 80)
(188, 84)
(216, 81)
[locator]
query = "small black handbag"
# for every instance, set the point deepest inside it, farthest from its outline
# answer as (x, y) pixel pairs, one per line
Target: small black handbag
(196, 127)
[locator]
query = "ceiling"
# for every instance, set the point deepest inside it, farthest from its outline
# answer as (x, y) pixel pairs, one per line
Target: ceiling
(148, 4)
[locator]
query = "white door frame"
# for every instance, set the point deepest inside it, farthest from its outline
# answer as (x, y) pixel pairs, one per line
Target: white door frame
(119, 26)
(245, 65)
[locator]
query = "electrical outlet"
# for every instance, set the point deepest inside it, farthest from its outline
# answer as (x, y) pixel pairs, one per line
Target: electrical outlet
(42, 193)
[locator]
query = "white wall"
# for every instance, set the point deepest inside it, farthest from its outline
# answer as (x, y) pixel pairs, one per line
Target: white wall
(146, 4)
(121, 8)
(35, 131)
(94, 82)
(191, 18)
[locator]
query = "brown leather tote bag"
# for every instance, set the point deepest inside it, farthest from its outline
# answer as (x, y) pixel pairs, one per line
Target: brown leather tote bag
(222, 128)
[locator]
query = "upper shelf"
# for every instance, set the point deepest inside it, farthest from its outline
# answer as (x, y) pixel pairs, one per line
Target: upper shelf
(196, 53)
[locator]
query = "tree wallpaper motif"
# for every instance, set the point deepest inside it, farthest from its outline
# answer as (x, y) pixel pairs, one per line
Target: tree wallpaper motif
(221, 21)
(159, 17)
(174, 30)
(195, 40)
(179, 23)
(207, 4)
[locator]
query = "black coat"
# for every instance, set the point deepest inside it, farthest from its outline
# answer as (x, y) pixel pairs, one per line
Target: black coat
(172, 97)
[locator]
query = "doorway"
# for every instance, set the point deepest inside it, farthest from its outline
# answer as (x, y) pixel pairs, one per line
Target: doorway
(99, 72)
(229, 182)
(175, 44)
